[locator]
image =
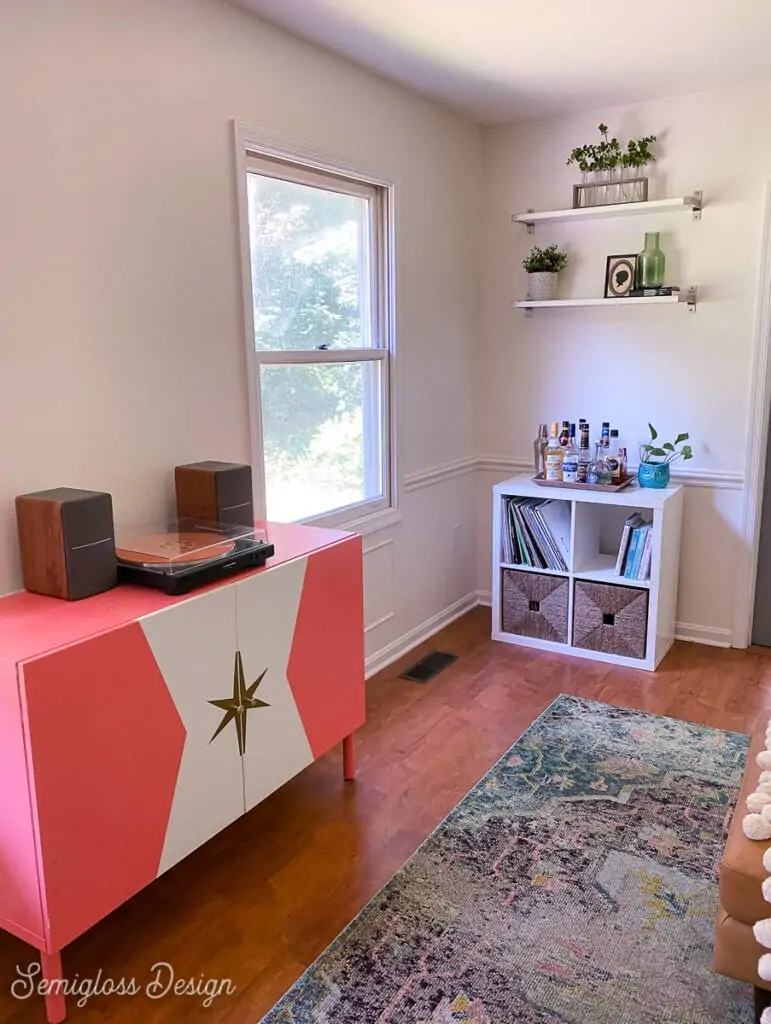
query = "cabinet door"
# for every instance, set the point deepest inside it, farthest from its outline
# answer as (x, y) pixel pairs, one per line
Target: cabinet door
(104, 743)
(20, 909)
(194, 644)
(276, 746)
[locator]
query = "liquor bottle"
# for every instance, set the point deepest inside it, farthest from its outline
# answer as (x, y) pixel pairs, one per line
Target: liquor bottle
(565, 433)
(570, 458)
(605, 434)
(554, 453)
(539, 448)
(622, 458)
(584, 458)
(598, 471)
(613, 458)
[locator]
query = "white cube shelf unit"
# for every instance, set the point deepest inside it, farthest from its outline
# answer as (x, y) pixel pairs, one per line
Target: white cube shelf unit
(596, 525)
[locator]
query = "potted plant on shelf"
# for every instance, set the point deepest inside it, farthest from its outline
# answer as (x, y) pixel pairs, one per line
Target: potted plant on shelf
(542, 266)
(656, 459)
(600, 164)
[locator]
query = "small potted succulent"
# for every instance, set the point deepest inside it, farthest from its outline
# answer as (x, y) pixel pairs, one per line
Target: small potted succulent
(542, 266)
(656, 459)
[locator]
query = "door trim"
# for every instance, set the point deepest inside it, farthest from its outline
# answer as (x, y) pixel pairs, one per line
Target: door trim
(759, 411)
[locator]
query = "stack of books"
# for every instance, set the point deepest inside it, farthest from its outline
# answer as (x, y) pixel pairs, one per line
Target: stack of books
(536, 533)
(635, 550)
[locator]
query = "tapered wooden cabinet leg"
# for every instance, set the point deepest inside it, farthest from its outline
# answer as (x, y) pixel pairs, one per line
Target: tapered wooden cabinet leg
(51, 964)
(349, 758)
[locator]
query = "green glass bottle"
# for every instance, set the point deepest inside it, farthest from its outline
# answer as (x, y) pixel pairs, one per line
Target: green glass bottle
(650, 263)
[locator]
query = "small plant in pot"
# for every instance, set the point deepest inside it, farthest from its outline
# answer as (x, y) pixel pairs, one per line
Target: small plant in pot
(542, 266)
(656, 459)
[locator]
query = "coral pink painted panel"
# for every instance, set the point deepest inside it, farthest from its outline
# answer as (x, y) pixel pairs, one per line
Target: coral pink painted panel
(105, 743)
(19, 890)
(326, 666)
(31, 625)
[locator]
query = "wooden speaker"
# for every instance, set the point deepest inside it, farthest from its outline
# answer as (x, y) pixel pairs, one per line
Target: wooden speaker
(67, 542)
(218, 492)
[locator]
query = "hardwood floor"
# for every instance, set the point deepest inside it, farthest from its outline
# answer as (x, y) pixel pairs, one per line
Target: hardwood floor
(259, 902)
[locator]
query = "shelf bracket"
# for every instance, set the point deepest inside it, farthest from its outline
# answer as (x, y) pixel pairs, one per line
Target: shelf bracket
(690, 297)
(698, 196)
(530, 231)
(528, 312)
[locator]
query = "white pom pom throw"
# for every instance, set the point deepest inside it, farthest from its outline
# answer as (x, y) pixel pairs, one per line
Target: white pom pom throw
(757, 801)
(765, 1017)
(764, 967)
(766, 887)
(754, 827)
(763, 760)
(762, 932)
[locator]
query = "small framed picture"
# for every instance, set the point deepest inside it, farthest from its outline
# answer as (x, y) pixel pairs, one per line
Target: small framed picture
(619, 276)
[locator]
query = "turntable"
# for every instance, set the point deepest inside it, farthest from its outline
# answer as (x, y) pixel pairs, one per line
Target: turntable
(180, 555)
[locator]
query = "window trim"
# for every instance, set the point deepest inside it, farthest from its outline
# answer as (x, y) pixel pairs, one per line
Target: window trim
(251, 146)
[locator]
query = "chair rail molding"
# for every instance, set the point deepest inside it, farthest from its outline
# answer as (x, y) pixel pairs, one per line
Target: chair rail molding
(508, 465)
(437, 474)
(717, 478)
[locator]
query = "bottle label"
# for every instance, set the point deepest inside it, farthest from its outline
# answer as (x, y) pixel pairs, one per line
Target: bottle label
(570, 470)
(614, 465)
(553, 465)
(581, 476)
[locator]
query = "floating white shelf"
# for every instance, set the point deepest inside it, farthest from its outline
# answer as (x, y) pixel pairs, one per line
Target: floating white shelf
(689, 297)
(684, 203)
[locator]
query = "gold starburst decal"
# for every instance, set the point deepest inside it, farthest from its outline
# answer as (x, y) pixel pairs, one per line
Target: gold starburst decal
(237, 706)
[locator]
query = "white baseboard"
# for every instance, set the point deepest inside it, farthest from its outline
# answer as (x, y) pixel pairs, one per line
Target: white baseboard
(711, 635)
(688, 631)
(382, 658)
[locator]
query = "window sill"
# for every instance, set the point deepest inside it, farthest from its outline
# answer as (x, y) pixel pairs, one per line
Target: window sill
(364, 525)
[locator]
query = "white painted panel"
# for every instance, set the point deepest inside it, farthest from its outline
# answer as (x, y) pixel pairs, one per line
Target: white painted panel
(277, 747)
(378, 584)
(194, 644)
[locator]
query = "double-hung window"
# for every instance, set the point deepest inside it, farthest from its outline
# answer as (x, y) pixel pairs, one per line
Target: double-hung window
(321, 359)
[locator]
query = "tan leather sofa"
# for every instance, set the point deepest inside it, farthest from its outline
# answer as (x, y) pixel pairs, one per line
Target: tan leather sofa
(741, 900)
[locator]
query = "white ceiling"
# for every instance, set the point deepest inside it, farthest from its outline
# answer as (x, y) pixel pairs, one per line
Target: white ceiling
(500, 60)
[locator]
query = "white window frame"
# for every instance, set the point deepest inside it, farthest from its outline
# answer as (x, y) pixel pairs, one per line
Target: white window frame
(254, 150)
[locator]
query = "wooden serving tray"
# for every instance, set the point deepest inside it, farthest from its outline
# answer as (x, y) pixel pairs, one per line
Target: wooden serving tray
(608, 488)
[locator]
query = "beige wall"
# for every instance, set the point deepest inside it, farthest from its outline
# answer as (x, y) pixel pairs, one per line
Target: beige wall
(120, 309)
(681, 371)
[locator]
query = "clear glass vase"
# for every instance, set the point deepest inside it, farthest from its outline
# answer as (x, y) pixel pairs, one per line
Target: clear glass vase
(651, 263)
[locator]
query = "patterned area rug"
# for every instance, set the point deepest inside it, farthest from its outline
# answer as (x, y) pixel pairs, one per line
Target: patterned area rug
(575, 884)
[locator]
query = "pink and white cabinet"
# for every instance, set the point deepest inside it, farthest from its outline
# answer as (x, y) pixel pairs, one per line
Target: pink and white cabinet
(135, 726)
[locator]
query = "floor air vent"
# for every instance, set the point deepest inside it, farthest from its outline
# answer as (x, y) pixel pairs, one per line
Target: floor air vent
(428, 667)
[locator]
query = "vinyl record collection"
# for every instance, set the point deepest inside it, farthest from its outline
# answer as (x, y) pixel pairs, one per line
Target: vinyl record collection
(536, 533)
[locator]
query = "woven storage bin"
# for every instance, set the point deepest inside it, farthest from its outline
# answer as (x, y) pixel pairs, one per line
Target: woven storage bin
(610, 619)
(535, 605)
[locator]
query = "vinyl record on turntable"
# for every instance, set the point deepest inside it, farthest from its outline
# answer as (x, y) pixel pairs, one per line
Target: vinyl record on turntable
(181, 555)
(177, 548)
